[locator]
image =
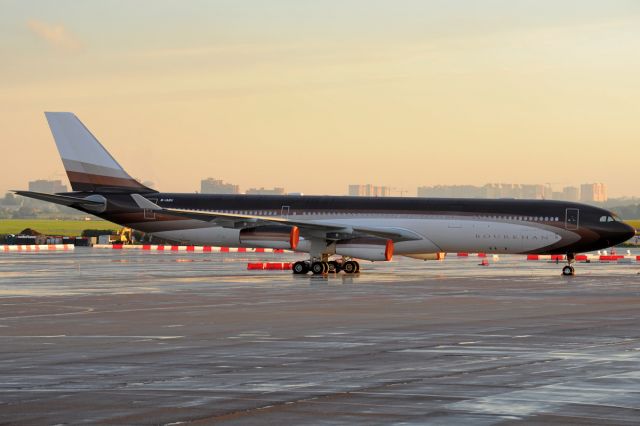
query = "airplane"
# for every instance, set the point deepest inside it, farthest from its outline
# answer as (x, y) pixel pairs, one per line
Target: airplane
(333, 230)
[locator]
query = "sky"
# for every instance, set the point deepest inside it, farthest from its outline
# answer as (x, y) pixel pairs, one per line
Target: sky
(314, 95)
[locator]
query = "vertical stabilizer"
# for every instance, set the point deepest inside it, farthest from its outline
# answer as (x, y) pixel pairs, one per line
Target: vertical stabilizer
(89, 166)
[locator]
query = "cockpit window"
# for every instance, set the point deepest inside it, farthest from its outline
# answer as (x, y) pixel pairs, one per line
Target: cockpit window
(613, 218)
(616, 218)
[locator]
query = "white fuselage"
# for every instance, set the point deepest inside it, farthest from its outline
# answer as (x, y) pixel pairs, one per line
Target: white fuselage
(445, 233)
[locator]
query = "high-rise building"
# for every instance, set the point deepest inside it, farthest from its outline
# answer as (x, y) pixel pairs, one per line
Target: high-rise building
(381, 191)
(452, 191)
(593, 192)
(357, 190)
(48, 186)
(533, 192)
(496, 190)
(216, 186)
(571, 193)
(369, 190)
(266, 191)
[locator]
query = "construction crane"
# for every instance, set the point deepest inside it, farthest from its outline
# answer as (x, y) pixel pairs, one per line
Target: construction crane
(400, 191)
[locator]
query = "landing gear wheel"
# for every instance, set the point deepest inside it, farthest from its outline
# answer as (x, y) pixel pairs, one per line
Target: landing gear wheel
(300, 268)
(334, 267)
(568, 271)
(319, 268)
(357, 267)
(350, 267)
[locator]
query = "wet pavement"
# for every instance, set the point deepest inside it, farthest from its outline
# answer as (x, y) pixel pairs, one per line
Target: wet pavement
(116, 337)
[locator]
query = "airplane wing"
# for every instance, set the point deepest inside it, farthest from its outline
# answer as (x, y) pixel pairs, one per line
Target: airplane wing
(232, 220)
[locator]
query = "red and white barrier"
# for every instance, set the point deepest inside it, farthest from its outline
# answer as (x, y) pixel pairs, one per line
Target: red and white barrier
(554, 257)
(37, 247)
(584, 257)
(562, 258)
(465, 254)
(216, 249)
(192, 249)
(269, 266)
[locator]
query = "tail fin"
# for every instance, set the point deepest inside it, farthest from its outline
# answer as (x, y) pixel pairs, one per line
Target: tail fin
(89, 166)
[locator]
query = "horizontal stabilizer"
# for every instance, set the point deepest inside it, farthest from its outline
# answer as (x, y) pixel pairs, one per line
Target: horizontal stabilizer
(94, 203)
(144, 203)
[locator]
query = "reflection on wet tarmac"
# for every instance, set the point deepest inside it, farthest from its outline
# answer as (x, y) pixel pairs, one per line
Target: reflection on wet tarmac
(140, 337)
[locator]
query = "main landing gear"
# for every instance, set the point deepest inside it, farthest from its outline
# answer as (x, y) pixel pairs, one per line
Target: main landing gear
(568, 270)
(323, 267)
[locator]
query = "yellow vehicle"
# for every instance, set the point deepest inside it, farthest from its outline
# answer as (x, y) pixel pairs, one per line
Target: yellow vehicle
(123, 236)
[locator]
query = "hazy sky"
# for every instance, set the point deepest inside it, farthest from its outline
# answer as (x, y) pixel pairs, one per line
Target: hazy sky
(313, 95)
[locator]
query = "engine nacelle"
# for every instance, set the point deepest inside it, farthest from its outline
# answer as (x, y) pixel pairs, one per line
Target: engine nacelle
(271, 236)
(427, 256)
(93, 207)
(367, 248)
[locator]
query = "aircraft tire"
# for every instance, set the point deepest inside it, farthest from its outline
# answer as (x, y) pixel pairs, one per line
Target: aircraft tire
(318, 268)
(568, 271)
(300, 268)
(350, 267)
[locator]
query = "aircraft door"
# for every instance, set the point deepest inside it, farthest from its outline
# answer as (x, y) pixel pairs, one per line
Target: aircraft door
(284, 211)
(150, 214)
(572, 219)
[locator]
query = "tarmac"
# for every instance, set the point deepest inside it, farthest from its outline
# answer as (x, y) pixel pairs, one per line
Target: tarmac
(121, 337)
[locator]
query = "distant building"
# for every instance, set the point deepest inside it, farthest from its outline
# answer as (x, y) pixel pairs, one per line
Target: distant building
(369, 190)
(216, 186)
(571, 193)
(357, 190)
(11, 202)
(490, 190)
(593, 192)
(265, 191)
(48, 186)
(533, 192)
(452, 191)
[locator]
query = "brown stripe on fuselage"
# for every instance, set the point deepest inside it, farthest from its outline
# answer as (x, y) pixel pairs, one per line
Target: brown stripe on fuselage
(98, 180)
(140, 217)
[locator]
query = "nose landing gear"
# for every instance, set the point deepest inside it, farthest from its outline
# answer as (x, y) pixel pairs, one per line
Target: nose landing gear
(568, 270)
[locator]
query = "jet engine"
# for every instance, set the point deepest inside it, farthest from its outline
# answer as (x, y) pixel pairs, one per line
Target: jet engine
(367, 248)
(271, 236)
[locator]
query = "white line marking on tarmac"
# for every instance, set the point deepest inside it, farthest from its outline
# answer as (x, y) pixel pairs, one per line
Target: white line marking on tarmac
(100, 336)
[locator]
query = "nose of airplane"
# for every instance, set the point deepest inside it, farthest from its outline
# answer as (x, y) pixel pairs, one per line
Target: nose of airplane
(616, 233)
(627, 232)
